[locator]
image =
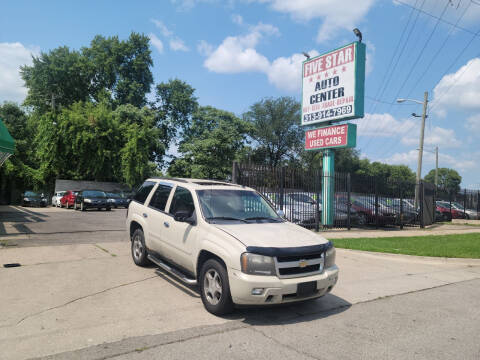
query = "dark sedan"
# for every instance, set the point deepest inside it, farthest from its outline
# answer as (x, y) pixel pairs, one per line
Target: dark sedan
(117, 200)
(88, 199)
(32, 198)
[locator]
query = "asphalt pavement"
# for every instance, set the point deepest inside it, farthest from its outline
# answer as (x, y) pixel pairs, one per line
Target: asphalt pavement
(77, 295)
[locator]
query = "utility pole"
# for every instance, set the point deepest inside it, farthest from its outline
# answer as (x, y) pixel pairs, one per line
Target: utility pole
(420, 150)
(436, 167)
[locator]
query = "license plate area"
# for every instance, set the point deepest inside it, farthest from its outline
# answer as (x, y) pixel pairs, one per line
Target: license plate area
(307, 288)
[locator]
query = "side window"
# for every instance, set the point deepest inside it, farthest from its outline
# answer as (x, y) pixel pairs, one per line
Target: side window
(182, 201)
(160, 197)
(142, 192)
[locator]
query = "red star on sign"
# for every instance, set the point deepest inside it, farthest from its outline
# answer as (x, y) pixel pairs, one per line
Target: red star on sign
(335, 72)
(311, 79)
(326, 74)
(344, 68)
(319, 77)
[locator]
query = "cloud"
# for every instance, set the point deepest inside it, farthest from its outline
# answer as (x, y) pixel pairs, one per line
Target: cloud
(12, 56)
(156, 42)
(185, 5)
(175, 43)
(286, 72)
(204, 48)
(237, 54)
(462, 163)
(407, 130)
(383, 125)
(458, 91)
(336, 15)
(473, 124)
(237, 19)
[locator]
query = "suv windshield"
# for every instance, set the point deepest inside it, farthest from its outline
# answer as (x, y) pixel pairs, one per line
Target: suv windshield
(93, 194)
(235, 205)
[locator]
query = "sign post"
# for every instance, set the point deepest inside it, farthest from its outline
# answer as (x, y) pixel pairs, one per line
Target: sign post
(333, 91)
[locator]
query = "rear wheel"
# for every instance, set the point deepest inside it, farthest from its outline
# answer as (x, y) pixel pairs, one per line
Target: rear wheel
(214, 288)
(139, 250)
(108, 208)
(82, 207)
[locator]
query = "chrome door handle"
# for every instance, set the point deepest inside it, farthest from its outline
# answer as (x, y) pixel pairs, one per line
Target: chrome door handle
(166, 224)
(145, 215)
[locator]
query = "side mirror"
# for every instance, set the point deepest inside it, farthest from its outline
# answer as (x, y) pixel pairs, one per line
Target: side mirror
(184, 216)
(281, 213)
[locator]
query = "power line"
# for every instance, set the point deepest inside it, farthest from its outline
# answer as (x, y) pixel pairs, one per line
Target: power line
(383, 87)
(434, 57)
(421, 52)
(442, 20)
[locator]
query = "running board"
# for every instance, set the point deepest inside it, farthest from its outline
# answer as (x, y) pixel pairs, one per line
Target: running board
(181, 276)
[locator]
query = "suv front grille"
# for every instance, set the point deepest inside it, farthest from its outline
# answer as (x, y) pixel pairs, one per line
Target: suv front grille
(295, 266)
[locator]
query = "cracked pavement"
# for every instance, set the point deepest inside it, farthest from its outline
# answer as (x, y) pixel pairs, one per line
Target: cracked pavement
(87, 300)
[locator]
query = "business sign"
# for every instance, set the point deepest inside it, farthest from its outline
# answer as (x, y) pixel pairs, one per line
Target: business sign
(337, 136)
(333, 85)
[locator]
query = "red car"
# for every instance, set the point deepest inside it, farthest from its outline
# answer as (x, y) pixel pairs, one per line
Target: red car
(68, 199)
(455, 214)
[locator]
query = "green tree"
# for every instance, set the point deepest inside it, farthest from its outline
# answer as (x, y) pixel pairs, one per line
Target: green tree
(59, 77)
(276, 128)
(19, 171)
(210, 145)
(174, 105)
(110, 69)
(120, 68)
(449, 180)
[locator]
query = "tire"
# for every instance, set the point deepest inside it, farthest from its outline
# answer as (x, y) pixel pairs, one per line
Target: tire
(68, 205)
(99, 209)
(108, 208)
(139, 250)
(75, 206)
(214, 288)
(82, 207)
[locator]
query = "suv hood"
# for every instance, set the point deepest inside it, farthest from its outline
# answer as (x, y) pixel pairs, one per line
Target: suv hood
(272, 234)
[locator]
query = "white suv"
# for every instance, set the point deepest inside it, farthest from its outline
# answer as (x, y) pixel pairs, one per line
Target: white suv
(230, 241)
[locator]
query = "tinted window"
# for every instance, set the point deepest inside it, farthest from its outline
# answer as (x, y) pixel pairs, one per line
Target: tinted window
(93, 194)
(160, 197)
(182, 201)
(142, 193)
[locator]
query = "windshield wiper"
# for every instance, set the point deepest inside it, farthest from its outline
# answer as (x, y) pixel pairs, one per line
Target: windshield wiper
(224, 218)
(263, 218)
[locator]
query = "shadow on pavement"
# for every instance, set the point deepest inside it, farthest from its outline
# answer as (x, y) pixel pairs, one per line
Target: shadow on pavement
(20, 217)
(307, 310)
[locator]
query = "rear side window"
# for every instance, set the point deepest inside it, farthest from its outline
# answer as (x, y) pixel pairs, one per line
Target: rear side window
(160, 197)
(182, 201)
(142, 192)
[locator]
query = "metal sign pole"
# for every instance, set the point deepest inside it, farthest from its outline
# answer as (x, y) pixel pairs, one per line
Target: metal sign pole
(328, 187)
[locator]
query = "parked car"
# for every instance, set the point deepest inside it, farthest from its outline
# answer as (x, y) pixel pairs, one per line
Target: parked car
(296, 209)
(56, 198)
(32, 198)
(468, 213)
(91, 199)
(116, 200)
(68, 199)
(448, 212)
(230, 241)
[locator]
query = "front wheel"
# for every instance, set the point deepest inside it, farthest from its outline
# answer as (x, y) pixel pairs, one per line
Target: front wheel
(82, 207)
(108, 208)
(214, 288)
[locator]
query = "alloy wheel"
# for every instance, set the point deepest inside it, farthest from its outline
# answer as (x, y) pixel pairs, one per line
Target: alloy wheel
(137, 247)
(212, 286)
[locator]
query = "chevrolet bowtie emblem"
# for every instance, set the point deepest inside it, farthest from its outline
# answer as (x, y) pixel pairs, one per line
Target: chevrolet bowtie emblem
(302, 263)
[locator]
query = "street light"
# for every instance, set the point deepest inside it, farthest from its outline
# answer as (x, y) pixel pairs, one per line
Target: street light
(358, 34)
(422, 136)
(306, 55)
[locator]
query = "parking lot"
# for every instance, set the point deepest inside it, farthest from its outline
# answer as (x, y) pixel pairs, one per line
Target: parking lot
(77, 294)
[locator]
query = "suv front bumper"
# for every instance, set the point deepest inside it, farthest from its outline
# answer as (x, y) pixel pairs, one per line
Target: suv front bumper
(277, 290)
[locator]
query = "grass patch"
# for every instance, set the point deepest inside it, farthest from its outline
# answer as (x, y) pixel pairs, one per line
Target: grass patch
(455, 246)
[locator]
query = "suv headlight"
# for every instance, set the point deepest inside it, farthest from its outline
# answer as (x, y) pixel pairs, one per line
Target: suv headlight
(87, 200)
(330, 257)
(254, 264)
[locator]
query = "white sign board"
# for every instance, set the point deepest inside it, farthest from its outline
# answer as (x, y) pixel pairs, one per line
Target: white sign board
(333, 85)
